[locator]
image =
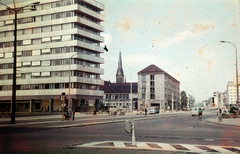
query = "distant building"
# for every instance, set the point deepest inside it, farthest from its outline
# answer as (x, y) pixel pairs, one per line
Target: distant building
(119, 95)
(157, 88)
(232, 93)
(48, 42)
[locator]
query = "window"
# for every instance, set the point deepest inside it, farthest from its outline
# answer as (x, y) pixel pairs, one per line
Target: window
(56, 50)
(27, 53)
(36, 41)
(36, 30)
(9, 34)
(69, 14)
(38, 18)
(66, 26)
(46, 6)
(152, 83)
(56, 16)
(56, 27)
(127, 96)
(143, 90)
(152, 90)
(151, 77)
(27, 31)
(144, 84)
(143, 96)
(152, 96)
(46, 29)
(143, 77)
(106, 96)
(46, 17)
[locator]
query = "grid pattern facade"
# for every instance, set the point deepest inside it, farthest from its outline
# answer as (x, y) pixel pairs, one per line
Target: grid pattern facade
(58, 40)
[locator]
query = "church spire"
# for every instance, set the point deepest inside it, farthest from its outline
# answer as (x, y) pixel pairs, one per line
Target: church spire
(120, 74)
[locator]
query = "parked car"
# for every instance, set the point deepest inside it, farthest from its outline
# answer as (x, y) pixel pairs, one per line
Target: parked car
(194, 111)
(154, 110)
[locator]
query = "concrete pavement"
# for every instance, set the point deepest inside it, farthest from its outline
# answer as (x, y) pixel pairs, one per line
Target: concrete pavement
(225, 121)
(56, 120)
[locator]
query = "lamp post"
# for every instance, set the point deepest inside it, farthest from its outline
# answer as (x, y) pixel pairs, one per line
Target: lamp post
(131, 92)
(16, 10)
(236, 70)
(69, 84)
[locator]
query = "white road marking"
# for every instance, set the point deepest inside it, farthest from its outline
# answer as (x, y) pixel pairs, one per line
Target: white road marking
(164, 146)
(119, 144)
(193, 148)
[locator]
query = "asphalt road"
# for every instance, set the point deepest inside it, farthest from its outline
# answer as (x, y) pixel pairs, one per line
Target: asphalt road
(183, 129)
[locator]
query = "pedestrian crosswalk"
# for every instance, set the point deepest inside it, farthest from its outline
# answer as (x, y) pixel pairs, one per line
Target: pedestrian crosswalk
(162, 146)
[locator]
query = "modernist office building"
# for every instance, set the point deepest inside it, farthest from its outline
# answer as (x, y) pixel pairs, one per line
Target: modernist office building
(157, 88)
(48, 42)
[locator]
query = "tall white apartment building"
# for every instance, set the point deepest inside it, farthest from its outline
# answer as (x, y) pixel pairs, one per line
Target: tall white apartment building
(232, 93)
(60, 39)
(157, 88)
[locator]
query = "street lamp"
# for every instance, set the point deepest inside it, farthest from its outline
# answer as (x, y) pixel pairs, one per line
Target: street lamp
(69, 84)
(16, 10)
(236, 69)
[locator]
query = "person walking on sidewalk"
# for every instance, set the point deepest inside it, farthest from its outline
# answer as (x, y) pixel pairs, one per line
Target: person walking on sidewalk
(145, 112)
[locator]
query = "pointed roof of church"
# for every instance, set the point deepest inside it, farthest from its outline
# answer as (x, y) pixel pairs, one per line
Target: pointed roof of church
(120, 69)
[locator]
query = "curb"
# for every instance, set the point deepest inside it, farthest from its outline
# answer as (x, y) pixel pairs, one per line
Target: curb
(208, 120)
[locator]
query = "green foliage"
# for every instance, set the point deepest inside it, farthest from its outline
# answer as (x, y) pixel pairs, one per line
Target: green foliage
(183, 99)
(233, 109)
(101, 105)
(191, 101)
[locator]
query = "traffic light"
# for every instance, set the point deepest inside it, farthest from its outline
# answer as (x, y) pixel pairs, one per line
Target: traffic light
(212, 99)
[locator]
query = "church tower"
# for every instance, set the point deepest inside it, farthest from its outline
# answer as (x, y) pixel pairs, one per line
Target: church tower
(120, 74)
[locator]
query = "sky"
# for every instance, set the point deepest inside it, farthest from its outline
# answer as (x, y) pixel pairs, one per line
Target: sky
(182, 37)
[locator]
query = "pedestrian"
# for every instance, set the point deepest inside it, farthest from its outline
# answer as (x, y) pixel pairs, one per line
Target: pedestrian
(73, 114)
(220, 111)
(145, 112)
(48, 108)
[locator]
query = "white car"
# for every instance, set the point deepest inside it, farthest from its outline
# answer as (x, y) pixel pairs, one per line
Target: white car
(194, 111)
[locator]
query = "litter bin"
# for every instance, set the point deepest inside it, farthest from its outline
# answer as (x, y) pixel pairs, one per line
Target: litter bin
(220, 118)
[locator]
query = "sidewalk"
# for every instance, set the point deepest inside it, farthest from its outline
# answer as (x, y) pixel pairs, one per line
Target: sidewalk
(225, 121)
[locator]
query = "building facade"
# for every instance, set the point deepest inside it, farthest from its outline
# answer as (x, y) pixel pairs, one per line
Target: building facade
(58, 46)
(157, 88)
(232, 93)
(120, 94)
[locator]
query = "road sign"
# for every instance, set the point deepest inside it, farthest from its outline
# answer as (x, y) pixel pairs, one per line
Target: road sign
(128, 125)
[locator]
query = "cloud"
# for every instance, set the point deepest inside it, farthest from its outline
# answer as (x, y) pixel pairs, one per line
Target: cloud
(167, 42)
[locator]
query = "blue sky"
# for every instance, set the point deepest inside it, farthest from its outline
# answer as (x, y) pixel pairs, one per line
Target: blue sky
(179, 36)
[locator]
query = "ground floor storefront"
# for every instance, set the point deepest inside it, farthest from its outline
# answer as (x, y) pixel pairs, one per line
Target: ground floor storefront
(50, 105)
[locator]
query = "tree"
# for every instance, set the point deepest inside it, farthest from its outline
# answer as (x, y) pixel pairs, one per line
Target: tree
(101, 106)
(183, 99)
(191, 101)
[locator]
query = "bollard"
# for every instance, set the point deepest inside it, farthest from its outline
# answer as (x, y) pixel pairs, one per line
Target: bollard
(220, 118)
(133, 135)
